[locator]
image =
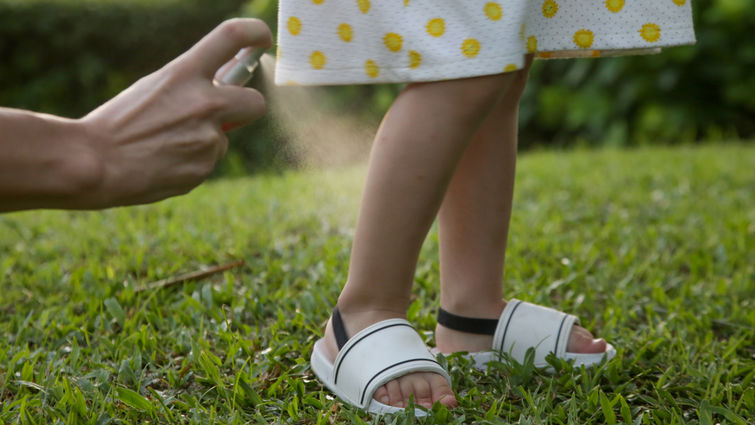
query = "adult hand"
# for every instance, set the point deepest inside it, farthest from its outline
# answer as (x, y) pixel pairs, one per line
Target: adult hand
(162, 136)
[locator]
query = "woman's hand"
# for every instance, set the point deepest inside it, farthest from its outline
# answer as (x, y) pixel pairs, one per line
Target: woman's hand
(162, 136)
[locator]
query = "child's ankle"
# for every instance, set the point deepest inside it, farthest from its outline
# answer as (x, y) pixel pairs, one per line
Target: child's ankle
(358, 305)
(449, 341)
(476, 308)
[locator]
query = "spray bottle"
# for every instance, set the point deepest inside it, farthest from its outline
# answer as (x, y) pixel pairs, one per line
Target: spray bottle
(239, 70)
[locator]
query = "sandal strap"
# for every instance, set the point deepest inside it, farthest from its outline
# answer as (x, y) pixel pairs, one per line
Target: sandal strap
(467, 324)
(339, 330)
(524, 325)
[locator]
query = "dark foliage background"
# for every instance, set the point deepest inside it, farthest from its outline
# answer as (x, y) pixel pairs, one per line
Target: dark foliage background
(65, 57)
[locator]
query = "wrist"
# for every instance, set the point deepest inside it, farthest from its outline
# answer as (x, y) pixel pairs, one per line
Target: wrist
(46, 162)
(82, 167)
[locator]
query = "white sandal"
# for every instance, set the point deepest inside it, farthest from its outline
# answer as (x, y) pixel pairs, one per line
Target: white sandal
(371, 358)
(523, 325)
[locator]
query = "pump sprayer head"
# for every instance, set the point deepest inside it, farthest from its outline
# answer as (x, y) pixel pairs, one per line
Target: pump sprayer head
(239, 70)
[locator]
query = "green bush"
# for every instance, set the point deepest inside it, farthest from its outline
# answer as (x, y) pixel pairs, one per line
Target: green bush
(66, 57)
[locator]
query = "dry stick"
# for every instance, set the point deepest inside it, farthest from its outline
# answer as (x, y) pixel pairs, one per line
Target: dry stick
(188, 277)
(717, 322)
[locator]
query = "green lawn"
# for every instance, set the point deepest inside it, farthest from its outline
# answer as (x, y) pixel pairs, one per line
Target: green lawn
(652, 248)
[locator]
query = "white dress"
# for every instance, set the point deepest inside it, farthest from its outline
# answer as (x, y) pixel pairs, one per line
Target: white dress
(398, 41)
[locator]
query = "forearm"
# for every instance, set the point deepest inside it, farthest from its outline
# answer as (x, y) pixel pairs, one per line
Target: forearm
(45, 162)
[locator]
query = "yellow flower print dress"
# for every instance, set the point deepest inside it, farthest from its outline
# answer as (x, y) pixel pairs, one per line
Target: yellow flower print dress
(398, 41)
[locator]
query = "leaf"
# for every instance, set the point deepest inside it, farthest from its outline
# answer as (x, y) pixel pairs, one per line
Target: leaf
(134, 400)
(492, 413)
(115, 310)
(30, 385)
(707, 411)
(626, 413)
(607, 408)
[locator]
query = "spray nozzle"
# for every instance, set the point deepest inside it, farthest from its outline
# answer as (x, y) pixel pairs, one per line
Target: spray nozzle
(239, 70)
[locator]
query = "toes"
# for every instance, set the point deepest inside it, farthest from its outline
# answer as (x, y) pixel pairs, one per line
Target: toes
(582, 341)
(395, 397)
(425, 388)
(418, 386)
(441, 391)
(382, 396)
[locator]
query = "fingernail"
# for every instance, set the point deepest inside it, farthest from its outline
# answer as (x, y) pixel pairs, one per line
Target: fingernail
(385, 399)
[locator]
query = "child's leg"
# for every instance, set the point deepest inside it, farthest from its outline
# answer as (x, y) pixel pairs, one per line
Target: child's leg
(474, 224)
(416, 150)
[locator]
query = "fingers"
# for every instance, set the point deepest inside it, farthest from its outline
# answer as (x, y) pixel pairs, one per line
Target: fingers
(243, 105)
(222, 43)
(222, 147)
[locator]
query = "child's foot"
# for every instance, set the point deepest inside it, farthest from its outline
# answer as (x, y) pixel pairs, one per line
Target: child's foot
(425, 388)
(450, 340)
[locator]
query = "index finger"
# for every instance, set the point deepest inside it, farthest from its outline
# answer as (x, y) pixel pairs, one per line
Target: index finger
(222, 43)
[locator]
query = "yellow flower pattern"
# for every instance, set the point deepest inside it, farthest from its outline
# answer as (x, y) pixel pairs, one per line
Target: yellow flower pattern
(382, 41)
(436, 27)
(294, 25)
(531, 44)
(493, 11)
(470, 47)
(346, 32)
(393, 41)
(317, 59)
(371, 68)
(650, 32)
(550, 8)
(615, 6)
(584, 38)
(415, 59)
(364, 5)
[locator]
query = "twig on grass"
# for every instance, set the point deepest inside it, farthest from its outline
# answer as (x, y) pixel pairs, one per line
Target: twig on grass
(189, 277)
(716, 322)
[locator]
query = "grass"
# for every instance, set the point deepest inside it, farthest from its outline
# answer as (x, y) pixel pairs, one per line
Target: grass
(652, 248)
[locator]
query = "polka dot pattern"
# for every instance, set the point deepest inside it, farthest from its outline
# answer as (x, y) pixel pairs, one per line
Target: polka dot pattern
(317, 59)
(470, 47)
(531, 44)
(294, 25)
(345, 32)
(550, 8)
(614, 6)
(393, 41)
(436, 27)
(493, 11)
(584, 38)
(415, 59)
(369, 41)
(650, 32)
(371, 68)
